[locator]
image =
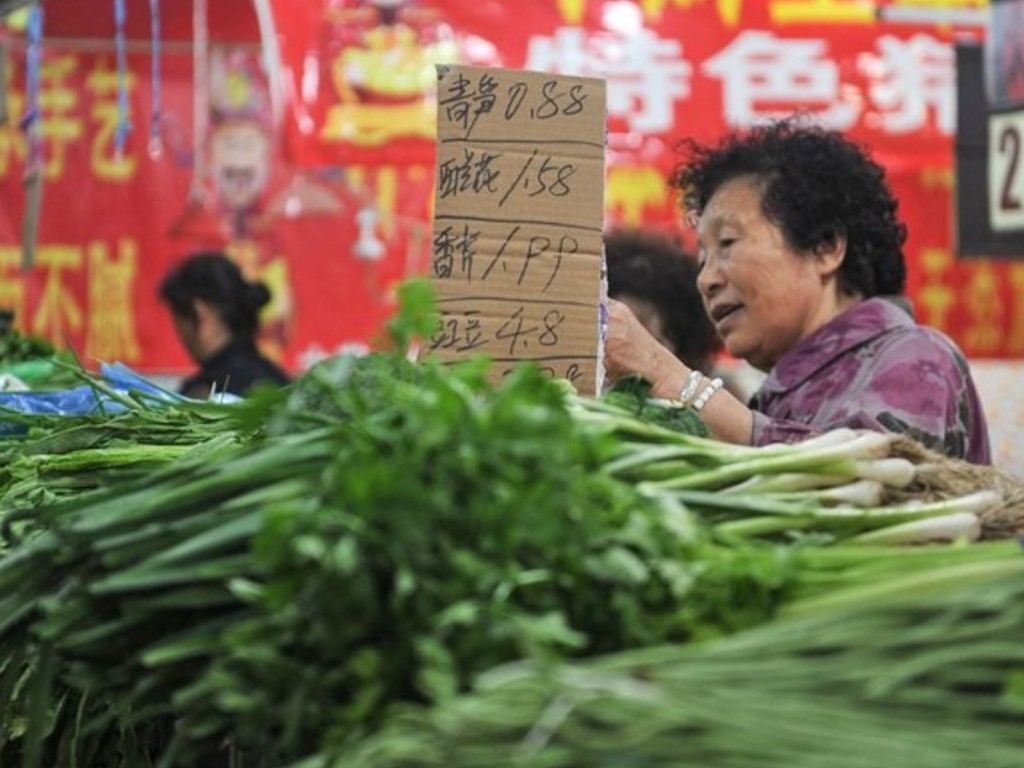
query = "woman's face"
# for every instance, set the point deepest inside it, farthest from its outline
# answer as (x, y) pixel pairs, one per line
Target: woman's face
(187, 329)
(762, 296)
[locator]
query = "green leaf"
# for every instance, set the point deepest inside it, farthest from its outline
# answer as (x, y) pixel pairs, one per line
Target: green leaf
(416, 317)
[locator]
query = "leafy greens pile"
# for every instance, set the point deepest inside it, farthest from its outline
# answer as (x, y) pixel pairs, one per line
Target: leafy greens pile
(337, 574)
(392, 531)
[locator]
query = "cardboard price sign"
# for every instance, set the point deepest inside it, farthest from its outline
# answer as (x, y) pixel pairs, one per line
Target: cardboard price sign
(518, 217)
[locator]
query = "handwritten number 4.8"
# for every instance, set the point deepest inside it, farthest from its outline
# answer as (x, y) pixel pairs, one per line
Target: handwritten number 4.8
(518, 334)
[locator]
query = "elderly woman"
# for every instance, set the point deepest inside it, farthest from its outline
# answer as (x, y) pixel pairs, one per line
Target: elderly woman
(802, 275)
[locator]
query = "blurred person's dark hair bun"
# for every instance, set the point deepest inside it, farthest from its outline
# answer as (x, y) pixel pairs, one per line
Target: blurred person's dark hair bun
(214, 278)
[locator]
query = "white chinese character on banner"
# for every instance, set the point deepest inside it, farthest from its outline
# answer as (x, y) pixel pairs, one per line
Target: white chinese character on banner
(911, 76)
(645, 74)
(565, 53)
(764, 77)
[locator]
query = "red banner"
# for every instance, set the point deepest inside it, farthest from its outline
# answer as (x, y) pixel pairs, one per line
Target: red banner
(332, 206)
(112, 223)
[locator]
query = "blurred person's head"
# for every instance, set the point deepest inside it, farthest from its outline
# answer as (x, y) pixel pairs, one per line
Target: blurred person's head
(212, 303)
(656, 278)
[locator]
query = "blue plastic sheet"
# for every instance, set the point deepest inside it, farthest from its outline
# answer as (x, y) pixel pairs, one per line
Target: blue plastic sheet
(85, 400)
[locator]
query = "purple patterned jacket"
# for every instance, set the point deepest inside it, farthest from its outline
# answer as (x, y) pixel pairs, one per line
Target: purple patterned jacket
(873, 367)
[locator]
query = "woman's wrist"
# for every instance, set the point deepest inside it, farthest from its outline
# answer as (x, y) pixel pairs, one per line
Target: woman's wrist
(726, 417)
(668, 377)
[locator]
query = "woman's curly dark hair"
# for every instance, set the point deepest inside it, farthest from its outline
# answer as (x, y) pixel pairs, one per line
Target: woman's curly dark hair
(655, 268)
(816, 185)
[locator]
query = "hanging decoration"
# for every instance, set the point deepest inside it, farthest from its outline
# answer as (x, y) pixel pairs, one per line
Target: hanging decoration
(304, 195)
(196, 223)
(30, 125)
(156, 141)
(200, 95)
(369, 246)
(124, 125)
(33, 67)
(271, 55)
(3, 82)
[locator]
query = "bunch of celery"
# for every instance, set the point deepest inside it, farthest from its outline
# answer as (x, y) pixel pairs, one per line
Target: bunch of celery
(382, 533)
(845, 484)
(45, 458)
(397, 530)
(924, 670)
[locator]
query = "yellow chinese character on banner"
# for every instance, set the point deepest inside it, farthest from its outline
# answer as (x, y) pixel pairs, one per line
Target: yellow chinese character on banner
(944, 3)
(383, 186)
(935, 297)
(12, 288)
(632, 190)
(985, 307)
(12, 140)
(110, 334)
(259, 262)
(58, 310)
(937, 178)
(822, 11)
(102, 83)
(59, 124)
(573, 11)
(387, 196)
(654, 8)
(1015, 337)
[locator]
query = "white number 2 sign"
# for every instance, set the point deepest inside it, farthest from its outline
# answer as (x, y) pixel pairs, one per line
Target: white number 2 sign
(1006, 171)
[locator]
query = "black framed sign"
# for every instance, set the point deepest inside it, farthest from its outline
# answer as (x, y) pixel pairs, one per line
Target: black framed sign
(989, 165)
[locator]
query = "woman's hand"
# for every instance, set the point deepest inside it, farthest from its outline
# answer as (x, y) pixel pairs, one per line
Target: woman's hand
(630, 350)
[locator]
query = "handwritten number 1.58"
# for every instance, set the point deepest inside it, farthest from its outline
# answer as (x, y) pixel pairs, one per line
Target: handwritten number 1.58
(551, 178)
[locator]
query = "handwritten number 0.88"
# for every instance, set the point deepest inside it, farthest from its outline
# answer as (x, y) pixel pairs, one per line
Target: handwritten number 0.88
(553, 102)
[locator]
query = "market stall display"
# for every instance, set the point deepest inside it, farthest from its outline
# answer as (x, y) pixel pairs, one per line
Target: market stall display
(914, 671)
(388, 563)
(28, 361)
(289, 575)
